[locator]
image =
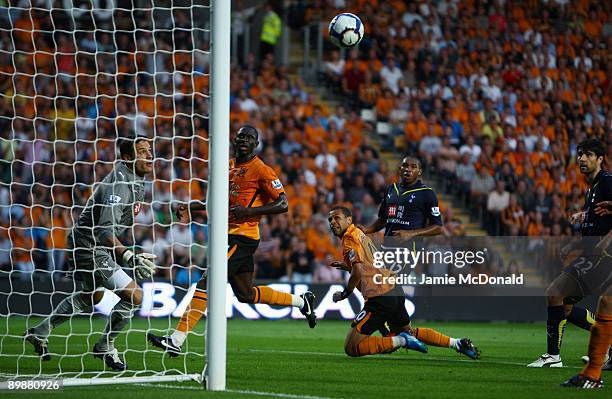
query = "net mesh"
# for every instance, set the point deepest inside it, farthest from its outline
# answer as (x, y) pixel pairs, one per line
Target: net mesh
(75, 76)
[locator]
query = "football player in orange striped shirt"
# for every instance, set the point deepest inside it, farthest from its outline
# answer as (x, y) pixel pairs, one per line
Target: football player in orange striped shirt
(384, 302)
(254, 191)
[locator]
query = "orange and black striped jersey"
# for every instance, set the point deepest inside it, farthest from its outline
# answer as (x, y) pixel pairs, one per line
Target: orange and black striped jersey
(251, 184)
(359, 248)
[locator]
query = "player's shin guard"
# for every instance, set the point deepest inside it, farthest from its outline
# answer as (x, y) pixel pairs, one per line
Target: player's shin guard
(270, 296)
(599, 342)
(581, 317)
(191, 316)
(432, 337)
(69, 306)
(555, 326)
(119, 317)
(371, 346)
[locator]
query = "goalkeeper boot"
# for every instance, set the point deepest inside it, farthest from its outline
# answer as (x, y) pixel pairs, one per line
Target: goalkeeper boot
(581, 381)
(547, 360)
(110, 357)
(39, 344)
(413, 343)
(308, 308)
(165, 343)
(466, 347)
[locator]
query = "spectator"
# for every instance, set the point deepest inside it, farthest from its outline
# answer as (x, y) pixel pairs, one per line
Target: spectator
(480, 187)
(497, 202)
(301, 263)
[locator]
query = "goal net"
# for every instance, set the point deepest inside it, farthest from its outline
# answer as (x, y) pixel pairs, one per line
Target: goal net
(75, 76)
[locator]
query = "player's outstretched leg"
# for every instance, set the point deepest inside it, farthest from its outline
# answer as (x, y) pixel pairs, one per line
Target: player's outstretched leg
(131, 298)
(76, 303)
(357, 344)
(436, 338)
(172, 343)
(242, 284)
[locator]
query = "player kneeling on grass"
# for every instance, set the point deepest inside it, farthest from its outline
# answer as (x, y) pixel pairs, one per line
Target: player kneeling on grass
(384, 302)
(94, 248)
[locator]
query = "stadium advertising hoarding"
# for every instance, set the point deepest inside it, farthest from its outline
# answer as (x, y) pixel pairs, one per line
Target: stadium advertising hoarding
(162, 299)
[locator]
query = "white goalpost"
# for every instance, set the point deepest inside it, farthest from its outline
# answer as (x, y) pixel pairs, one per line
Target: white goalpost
(75, 76)
(216, 337)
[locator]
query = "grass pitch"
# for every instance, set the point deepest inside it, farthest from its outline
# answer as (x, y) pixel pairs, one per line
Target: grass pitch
(287, 359)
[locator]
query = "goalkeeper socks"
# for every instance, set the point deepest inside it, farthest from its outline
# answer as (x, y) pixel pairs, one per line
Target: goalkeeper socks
(65, 309)
(555, 326)
(432, 337)
(119, 317)
(191, 316)
(599, 342)
(373, 345)
(270, 296)
(581, 317)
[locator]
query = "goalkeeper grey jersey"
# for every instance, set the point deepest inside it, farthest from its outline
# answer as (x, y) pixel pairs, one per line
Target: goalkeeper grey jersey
(111, 208)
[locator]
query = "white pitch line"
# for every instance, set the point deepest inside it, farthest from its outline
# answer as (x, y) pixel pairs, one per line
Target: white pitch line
(276, 394)
(429, 358)
(240, 391)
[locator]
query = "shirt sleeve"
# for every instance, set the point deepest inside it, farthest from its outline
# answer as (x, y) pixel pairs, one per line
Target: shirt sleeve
(270, 184)
(432, 209)
(352, 252)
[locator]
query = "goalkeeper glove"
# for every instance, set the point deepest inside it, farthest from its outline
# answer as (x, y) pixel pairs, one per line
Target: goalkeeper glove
(142, 263)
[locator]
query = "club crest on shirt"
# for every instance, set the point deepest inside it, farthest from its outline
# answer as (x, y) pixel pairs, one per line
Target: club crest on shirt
(392, 211)
(435, 211)
(276, 184)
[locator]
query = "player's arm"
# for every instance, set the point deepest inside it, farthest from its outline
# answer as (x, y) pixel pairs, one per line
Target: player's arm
(352, 283)
(181, 210)
(111, 212)
(374, 227)
(280, 205)
(271, 186)
(431, 230)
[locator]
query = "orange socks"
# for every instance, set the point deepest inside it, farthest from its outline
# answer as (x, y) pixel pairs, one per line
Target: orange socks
(267, 295)
(373, 345)
(194, 312)
(599, 342)
(432, 337)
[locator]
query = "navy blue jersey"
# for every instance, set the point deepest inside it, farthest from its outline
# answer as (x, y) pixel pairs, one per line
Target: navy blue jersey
(601, 190)
(409, 208)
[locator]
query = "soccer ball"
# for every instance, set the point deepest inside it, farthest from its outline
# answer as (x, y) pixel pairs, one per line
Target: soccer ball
(346, 30)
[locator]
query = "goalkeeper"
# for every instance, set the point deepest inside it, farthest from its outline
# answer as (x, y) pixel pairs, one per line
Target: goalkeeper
(96, 253)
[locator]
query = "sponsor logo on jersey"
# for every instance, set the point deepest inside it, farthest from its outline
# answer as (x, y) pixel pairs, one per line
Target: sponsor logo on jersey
(392, 211)
(114, 199)
(435, 211)
(276, 184)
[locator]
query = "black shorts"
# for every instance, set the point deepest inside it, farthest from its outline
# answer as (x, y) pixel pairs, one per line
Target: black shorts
(379, 310)
(592, 275)
(240, 254)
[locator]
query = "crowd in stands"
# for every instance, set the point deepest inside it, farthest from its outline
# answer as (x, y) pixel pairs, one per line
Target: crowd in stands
(73, 94)
(493, 96)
